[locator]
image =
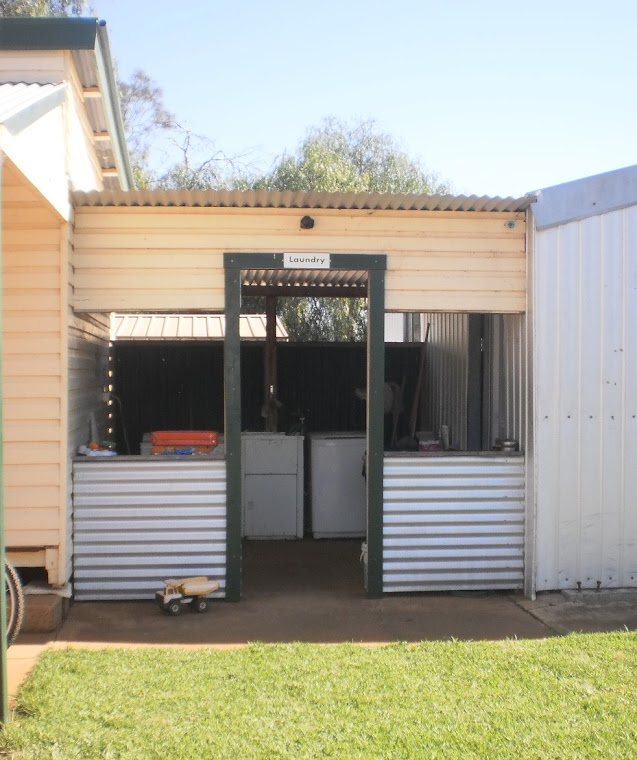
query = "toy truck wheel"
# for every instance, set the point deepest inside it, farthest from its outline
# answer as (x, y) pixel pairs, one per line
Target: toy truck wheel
(200, 604)
(174, 608)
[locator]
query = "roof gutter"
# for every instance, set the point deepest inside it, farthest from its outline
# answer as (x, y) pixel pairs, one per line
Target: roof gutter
(113, 111)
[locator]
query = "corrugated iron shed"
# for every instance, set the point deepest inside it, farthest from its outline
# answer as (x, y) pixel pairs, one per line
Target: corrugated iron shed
(188, 327)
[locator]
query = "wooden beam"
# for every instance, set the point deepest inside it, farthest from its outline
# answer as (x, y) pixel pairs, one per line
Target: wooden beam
(99, 136)
(375, 431)
(270, 374)
(91, 92)
(110, 171)
(232, 432)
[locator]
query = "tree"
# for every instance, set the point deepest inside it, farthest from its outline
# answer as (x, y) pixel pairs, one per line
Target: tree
(42, 7)
(357, 158)
(338, 157)
(144, 115)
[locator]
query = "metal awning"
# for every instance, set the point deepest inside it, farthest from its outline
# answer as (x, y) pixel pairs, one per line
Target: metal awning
(304, 282)
(188, 327)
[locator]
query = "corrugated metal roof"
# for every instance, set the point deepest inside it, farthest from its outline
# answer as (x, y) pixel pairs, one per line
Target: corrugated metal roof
(329, 279)
(188, 327)
(289, 199)
(18, 96)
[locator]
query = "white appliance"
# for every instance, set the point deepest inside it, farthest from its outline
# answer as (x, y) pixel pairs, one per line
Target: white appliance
(338, 492)
(272, 465)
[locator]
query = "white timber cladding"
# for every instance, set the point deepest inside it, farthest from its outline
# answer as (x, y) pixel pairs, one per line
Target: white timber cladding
(33, 66)
(453, 523)
(585, 387)
(138, 522)
(34, 350)
(171, 259)
(82, 164)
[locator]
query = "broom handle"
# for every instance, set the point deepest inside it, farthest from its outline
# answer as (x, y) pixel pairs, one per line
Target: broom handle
(421, 373)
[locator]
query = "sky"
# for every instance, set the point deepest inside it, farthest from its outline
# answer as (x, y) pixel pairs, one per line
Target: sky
(498, 98)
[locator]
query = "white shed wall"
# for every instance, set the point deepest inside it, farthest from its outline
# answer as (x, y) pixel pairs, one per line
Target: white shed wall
(585, 390)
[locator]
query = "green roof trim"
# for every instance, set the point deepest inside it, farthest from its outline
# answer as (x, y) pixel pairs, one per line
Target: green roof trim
(28, 33)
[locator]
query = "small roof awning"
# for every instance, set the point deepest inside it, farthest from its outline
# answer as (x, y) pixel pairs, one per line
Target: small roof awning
(188, 327)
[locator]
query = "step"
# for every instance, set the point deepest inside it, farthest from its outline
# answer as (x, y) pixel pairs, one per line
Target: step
(43, 613)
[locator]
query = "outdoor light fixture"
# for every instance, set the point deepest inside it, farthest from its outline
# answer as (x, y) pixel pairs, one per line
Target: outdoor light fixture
(307, 223)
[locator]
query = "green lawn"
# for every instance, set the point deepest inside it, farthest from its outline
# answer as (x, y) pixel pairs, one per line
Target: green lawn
(570, 697)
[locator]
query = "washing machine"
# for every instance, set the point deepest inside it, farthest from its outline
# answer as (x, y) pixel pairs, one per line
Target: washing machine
(337, 485)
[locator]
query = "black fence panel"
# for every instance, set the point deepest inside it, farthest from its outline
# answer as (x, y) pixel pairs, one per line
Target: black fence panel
(179, 386)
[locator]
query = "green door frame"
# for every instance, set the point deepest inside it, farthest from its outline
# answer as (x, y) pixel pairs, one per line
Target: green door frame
(4, 698)
(375, 266)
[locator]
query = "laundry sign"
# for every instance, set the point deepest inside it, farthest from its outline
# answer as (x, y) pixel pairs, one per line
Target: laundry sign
(306, 261)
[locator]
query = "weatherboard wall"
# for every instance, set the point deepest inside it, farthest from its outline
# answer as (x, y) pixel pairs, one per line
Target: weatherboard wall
(171, 258)
(34, 366)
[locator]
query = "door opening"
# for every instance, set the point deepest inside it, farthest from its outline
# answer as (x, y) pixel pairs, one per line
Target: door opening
(269, 471)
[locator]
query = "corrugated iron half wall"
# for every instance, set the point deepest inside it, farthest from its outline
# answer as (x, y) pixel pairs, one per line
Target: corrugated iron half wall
(453, 523)
(137, 523)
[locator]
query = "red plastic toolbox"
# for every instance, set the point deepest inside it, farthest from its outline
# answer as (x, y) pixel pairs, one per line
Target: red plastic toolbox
(185, 438)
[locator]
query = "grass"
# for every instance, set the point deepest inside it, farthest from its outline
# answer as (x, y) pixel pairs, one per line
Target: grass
(567, 698)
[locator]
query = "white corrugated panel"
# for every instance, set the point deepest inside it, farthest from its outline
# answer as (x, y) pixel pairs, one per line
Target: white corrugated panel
(394, 328)
(506, 377)
(585, 376)
(15, 97)
(453, 523)
(446, 372)
(138, 522)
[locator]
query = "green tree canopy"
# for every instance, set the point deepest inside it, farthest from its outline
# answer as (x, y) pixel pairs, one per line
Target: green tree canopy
(351, 158)
(42, 7)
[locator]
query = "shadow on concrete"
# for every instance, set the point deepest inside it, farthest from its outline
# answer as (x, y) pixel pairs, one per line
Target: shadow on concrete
(310, 591)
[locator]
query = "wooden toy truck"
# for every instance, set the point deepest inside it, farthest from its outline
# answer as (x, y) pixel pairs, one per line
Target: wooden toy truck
(193, 591)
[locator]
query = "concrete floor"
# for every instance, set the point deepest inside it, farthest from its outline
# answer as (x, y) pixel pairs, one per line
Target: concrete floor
(312, 591)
